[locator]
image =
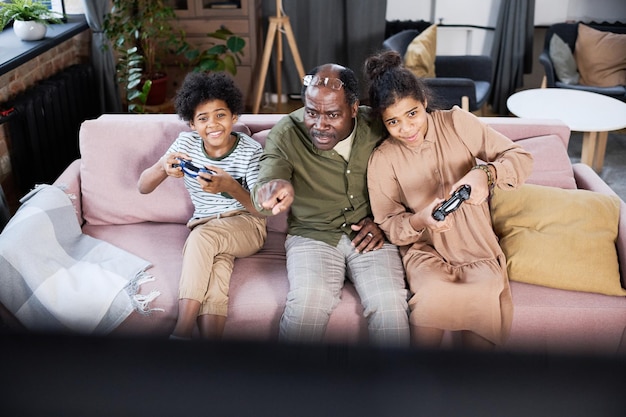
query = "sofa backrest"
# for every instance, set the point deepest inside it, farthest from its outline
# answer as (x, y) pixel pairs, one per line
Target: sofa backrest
(547, 140)
(116, 148)
(569, 32)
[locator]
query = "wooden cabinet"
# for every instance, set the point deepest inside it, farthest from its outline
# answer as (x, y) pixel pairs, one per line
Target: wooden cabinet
(199, 17)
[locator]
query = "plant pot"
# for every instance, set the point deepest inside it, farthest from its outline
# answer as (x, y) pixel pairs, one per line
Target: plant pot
(29, 30)
(158, 91)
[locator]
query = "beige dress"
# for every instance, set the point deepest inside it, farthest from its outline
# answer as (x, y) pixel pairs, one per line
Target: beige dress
(457, 278)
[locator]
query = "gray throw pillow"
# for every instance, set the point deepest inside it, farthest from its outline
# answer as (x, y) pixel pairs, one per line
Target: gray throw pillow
(563, 61)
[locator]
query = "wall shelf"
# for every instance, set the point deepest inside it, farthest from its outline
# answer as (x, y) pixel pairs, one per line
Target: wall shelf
(15, 52)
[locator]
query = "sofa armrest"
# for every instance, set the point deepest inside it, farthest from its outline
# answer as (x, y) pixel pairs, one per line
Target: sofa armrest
(69, 181)
(548, 67)
(588, 179)
(521, 128)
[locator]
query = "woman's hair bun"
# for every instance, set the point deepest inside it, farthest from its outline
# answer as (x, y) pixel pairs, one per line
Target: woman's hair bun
(377, 65)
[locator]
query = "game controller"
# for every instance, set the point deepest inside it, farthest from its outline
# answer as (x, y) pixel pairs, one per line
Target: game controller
(454, 202)
(190, 169)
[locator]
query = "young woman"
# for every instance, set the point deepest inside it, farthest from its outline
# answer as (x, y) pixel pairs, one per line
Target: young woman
(455, 268)
(219, 168)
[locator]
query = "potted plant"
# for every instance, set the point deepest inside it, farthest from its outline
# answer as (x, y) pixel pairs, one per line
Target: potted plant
(30, 18)
(143, 37)
(140, 32)
(4, 20)
(220, 56)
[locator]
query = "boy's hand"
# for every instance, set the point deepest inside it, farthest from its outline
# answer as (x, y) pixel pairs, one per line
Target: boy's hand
(217, 181)
(171, 164)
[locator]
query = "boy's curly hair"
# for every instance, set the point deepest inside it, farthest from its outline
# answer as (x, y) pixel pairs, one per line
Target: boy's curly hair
(200, 87)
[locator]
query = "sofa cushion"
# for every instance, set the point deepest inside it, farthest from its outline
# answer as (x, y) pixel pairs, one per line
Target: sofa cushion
(563, 60)
(549, 319)
(559, 238)
(258, 292)
(160, 244)
(600, 57)
(420, 54)
(111, 198)
(276, 223)
(551, 163)
(261, 136)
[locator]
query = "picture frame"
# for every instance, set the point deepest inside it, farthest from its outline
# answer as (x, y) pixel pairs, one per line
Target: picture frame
(57, 6)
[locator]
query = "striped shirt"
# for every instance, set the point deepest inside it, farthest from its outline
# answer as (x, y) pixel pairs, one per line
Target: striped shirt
(242, 163)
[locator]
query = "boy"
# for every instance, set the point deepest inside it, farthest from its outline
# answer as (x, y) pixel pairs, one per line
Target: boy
(219, 167)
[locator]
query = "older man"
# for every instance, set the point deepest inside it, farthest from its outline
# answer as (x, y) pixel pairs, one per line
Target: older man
(315, 163)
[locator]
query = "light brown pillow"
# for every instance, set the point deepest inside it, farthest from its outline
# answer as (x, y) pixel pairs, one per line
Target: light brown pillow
(420, 54)
(559, 238)
(600, 57)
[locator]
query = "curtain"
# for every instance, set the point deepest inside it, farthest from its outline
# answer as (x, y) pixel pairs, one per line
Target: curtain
(512, 50)
(344, 32)
(5, 212)
(102, 61)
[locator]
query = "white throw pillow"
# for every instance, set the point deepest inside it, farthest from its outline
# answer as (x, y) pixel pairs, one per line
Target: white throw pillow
(563, 61)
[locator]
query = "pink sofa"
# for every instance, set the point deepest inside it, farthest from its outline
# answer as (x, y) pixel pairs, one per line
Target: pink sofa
(116, 148)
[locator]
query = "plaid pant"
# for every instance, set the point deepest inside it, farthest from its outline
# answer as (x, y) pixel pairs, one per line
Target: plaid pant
(317, 272)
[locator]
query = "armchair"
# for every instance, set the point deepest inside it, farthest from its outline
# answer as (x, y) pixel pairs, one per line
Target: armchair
(462, 80)
(569, 33)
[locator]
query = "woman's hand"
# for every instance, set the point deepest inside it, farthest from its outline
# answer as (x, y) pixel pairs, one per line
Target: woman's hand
(479, 181)
(424, 219)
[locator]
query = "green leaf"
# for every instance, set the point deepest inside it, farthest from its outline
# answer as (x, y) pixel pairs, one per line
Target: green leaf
(192, 54)
(135, 75)
(216, 50)
(235, 44)
(133, 83)
(146, 87)
(219, 34)
(133, 95)
(230, 65)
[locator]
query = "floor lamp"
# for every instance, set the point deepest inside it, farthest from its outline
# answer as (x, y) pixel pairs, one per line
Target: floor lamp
(279, 25)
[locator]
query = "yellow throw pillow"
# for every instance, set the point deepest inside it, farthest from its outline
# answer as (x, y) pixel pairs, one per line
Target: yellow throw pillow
(420, 54)
(600, 57)
(559, 238)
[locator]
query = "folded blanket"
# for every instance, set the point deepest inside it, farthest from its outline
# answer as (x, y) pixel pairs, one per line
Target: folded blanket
(55, 278)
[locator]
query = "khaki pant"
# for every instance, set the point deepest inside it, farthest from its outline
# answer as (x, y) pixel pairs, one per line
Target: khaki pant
(209, 255)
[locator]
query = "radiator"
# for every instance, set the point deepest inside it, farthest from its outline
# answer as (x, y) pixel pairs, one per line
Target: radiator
(44, 124)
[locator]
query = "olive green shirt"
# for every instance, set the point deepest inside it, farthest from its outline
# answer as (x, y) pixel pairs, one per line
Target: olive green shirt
(330, 193)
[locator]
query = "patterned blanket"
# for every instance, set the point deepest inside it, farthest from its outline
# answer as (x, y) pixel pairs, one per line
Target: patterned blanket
(55, 278)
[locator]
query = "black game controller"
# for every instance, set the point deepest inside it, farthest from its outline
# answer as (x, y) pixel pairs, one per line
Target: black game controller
(454, 202)
(190, 169)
